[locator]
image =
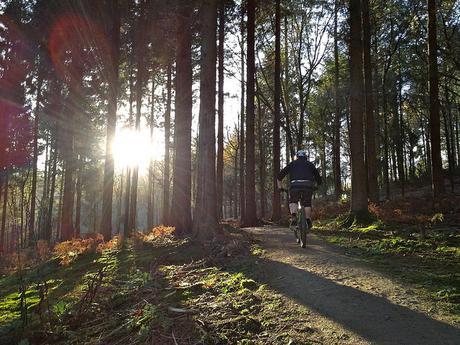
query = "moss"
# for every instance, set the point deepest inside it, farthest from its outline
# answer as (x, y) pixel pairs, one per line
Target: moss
(356, 219)
(249, 284)
(257, 250)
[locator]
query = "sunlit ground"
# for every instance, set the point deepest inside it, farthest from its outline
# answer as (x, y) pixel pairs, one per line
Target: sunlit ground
(135, 148)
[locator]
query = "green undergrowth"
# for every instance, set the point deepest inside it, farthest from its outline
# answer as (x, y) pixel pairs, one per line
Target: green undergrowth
(431, 264)
(164, 292)
(96, 298)
(230, 307)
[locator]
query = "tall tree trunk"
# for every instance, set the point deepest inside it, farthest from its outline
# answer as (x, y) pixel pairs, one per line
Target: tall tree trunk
(358, 170)
(449, 151)
(386, 164)
(242, 190)
(166, 176)
(49, 215)
(251, 212)
(120, 202)
(262, 163)
(276, 207)
(67, 202)
(287, 112)
(451, 131)
(205, 225)
(139, 93)
(401, 135)
(235, 190)
(220, 111)
(66, 228)
(151, 179)
(181, 217)
(127, 208)
(449, 135)
(336, 143)
(126, 226)
(45, 190)
(112, 66)
(371, 157)
(61, 199)
(74, 110)
(323, 168)
(21, 210)
(435, 128)
(78, 201)
(33, 193)
(4, 210)
(428, 148)
(457, 133)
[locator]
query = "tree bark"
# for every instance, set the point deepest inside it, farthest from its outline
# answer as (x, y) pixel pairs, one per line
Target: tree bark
(435, 127)
(49, 216)
(262, 162)
(120, 203)
(140, 49)
(112, 67)
(457, 134)
(61, 199)
(336, 143)
(250, 212)
(242, 191)
(205, 225)
(182, 174)
(4, 210)
(74, 103)
(371, 157)
(276, 207)
(166, 176)
(126, 226)
(151, 178)
(386, 163)
(401, 135)
(358, 170)
(78, 201)
(220, 111)
(33, 193)
(235, 190)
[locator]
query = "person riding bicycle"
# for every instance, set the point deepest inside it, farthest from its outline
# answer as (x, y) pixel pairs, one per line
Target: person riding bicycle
(302, 177)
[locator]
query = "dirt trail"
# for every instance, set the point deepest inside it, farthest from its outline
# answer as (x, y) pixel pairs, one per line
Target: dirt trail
(347, 301)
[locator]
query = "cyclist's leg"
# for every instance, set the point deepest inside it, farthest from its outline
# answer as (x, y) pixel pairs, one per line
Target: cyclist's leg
(306, 203)
(293, 205)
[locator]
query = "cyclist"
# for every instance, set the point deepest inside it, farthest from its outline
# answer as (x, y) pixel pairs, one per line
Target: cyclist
(302, 177)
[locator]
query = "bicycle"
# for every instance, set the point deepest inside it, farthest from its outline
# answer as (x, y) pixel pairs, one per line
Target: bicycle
(301, 228)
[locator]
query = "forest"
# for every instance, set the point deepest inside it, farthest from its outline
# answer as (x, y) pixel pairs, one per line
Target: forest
(140, 146)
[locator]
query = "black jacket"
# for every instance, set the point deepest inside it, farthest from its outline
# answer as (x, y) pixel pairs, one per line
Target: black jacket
(300, 169)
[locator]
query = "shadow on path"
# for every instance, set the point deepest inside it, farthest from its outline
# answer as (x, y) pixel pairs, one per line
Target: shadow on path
(372, 317)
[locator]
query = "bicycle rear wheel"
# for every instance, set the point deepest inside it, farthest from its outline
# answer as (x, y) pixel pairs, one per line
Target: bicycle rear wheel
(303, 230)
(295, 230)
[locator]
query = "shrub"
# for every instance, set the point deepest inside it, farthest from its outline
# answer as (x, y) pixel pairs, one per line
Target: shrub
(68, 251)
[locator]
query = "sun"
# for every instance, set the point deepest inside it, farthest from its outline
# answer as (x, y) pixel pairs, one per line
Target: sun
(135, 148)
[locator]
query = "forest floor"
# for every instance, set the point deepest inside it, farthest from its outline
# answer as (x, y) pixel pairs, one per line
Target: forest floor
(349, 296)
(257, 287)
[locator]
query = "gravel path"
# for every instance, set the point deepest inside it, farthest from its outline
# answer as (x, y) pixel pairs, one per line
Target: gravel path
(347, 301)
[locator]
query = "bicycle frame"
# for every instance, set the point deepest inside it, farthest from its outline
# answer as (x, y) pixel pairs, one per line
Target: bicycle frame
(301, 229)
